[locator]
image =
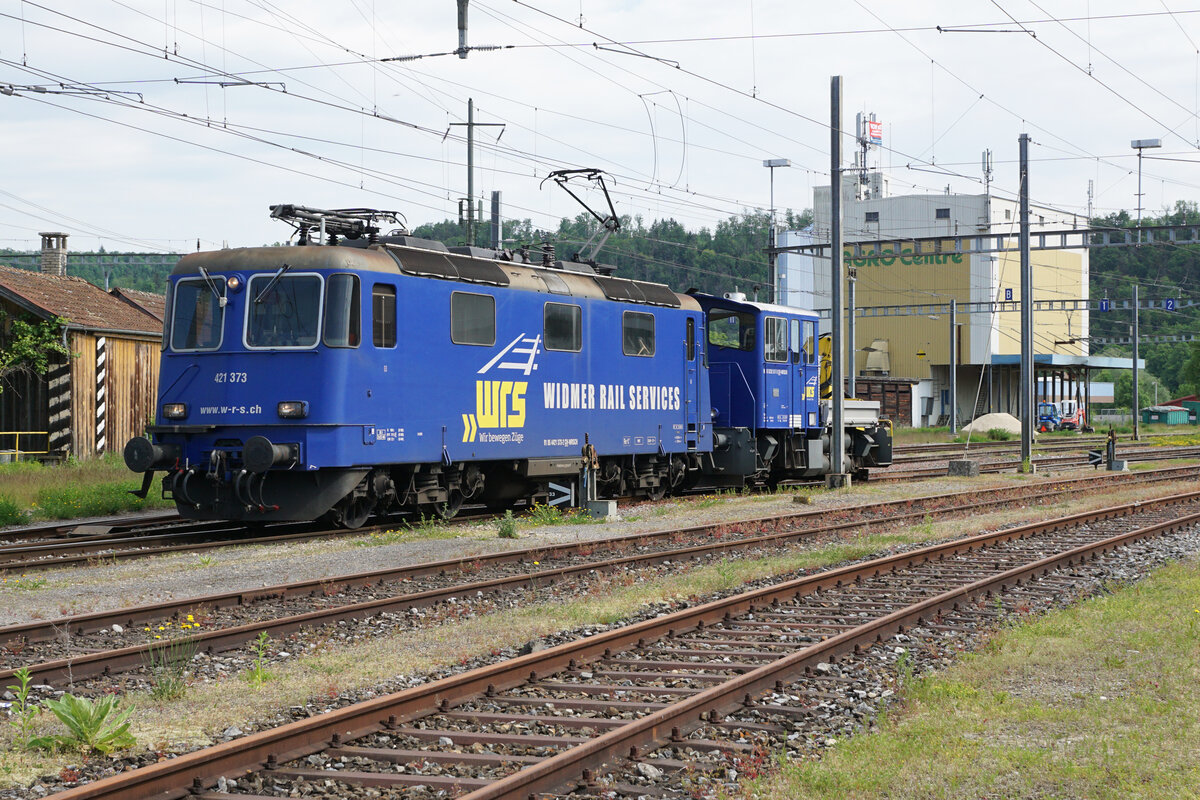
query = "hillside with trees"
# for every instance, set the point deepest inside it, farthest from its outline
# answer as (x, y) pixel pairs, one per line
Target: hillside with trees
(730, 256)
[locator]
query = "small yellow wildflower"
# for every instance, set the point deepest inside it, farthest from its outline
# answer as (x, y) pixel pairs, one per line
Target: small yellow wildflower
(190, 618)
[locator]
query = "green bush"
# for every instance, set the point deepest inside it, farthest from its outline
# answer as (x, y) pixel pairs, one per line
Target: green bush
(10, 513)
(91, 726)
(508, 526)
(998, 435)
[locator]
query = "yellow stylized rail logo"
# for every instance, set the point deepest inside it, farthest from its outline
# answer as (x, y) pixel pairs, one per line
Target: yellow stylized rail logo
(498, 404)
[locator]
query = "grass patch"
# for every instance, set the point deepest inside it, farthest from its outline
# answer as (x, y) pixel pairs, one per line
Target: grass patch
(1094, 701)
(77, 488)
(539, 514)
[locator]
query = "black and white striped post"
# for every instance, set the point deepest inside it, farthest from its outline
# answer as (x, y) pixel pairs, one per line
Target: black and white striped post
(101, 373)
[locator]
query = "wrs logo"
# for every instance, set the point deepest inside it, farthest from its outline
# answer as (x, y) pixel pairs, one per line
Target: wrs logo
(501, 404)
(498, 404)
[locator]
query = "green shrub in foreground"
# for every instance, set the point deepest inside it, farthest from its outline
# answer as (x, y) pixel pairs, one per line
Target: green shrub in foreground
(97, 726)
(10, 513)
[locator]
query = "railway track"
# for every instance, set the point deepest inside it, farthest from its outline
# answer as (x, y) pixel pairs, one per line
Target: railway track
(588, 716)
(79, 647)
(1042, 462)
(123, 538)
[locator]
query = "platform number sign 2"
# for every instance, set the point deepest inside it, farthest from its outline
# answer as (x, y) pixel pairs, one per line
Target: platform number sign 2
(1169, 304)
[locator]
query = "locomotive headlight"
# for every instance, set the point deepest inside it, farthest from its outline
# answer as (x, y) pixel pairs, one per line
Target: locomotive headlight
(234, 282)
(174, 410)
(293, 409)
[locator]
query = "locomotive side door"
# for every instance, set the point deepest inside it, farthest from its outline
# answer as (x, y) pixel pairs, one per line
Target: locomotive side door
(796, 367)
(777, 384)
(690, 378)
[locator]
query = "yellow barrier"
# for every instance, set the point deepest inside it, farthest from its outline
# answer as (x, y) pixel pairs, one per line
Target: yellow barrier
(17, 448)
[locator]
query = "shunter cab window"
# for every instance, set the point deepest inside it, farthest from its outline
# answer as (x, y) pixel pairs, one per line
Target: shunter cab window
(810, 343)
(383, 315)
(198, 317)
(729, 328)
(794, 340)
(343, 327)
(637, 333)
(691, 339)
(472, 319)
(562, 327)
(285, 314)
(775, 340)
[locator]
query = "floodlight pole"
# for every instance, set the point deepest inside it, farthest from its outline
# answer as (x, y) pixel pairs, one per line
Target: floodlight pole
(1140, 145)
(771, 164)
(837, 450)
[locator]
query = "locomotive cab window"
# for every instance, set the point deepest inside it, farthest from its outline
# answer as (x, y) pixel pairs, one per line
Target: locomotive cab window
(198, 317)
(729, 328)
(637, 333)
(775, 340)
(342, 324)
(794, 340)
(810, 342)
(472, 319)
(383, 315)
(562, 327)
(284, 312)
(691, 338)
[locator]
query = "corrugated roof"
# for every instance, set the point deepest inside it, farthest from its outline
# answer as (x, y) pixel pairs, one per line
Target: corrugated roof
(153, 304)
(79, 302)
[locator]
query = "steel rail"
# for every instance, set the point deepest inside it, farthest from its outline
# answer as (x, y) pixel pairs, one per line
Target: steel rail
(107, 662)
(172, 778)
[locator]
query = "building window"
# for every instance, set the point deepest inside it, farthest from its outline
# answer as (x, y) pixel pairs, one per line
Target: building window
(472, 319)
(942, 213)
(1008, 213)
(383, 315)
(562, 325)
(637, 333)
(873, 216)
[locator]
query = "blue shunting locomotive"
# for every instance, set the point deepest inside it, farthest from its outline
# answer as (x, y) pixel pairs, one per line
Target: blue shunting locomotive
(379, 373)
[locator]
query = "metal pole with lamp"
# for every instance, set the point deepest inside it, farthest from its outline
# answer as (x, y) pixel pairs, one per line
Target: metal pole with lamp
(1140, 145)
(771, 164)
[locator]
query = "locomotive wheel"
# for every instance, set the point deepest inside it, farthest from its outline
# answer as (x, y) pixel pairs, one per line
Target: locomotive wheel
(352, 512)
(446, 510)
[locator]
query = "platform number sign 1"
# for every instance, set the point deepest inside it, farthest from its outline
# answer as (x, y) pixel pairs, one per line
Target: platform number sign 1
(1169, 304)
(1106, 304)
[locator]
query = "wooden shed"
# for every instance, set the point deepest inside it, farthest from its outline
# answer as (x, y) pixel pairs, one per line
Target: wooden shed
(104, 394)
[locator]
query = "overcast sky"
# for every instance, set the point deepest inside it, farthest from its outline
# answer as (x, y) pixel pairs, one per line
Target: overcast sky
(148, 151)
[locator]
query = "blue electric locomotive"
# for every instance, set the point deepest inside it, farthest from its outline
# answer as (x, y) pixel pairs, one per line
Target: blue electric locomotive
(370, 374)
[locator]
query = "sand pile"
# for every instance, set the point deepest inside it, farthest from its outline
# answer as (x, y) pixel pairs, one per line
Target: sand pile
(1005, 422)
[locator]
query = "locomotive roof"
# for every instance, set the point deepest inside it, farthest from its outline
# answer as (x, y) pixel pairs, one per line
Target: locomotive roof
(754, 305)
(425, 262)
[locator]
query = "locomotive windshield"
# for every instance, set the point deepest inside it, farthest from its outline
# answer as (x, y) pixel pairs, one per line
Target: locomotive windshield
(732, 329)
(286, 316)
(198, 317)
